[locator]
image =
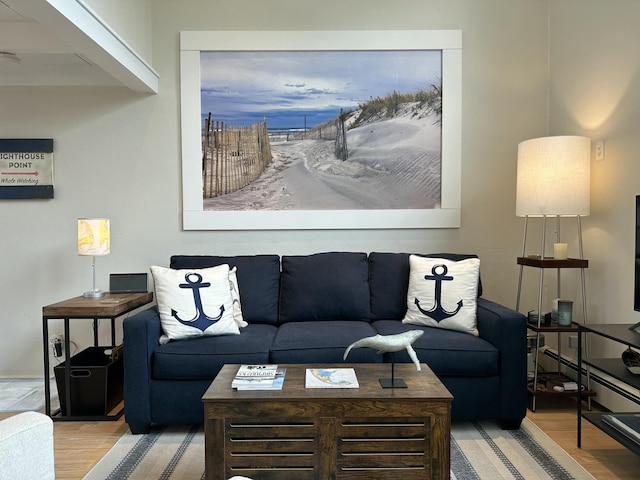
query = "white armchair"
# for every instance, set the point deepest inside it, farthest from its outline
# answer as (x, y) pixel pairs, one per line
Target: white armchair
(26, 447)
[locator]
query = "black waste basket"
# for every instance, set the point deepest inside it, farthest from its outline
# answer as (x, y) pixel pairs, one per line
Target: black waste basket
(96, 380)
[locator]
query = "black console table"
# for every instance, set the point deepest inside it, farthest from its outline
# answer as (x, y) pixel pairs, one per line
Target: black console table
(614, 367)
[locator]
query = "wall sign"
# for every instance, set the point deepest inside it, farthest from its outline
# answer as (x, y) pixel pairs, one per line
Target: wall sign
(26, 168)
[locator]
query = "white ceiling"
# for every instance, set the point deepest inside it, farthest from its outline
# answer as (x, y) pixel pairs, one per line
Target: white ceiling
(54, 51)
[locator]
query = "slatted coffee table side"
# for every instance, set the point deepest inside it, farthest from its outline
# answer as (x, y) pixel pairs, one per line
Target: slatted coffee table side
(316, 434)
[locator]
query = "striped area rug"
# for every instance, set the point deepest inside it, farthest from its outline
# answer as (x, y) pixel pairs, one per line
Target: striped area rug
(479, 450)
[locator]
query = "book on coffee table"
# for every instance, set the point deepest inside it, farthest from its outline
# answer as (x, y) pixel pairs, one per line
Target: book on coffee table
(259, 377)
(256, 371)
(331, 378)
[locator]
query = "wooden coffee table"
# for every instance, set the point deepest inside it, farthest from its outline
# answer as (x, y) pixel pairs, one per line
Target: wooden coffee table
(298, 433)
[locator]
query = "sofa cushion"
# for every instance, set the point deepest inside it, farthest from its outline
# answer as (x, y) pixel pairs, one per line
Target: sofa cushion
(235, 297)
(258, 281)
(322, 342)
(447, 352)
(389, 282)
(203, 357)
(194, 302)
(324, 286)
(443, 293)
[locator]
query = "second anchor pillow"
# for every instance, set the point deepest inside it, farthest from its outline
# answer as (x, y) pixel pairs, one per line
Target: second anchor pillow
(443, 293)
(194, 302)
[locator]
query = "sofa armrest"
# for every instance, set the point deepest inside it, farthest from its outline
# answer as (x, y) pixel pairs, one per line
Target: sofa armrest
(506, 329)
(141, 335)
(26, 447)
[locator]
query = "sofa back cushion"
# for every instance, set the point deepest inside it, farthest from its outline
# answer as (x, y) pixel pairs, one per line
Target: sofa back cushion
(389, 282)
(258, 281)
(324, 286)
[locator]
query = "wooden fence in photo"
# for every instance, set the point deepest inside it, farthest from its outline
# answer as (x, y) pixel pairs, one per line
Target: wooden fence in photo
(326, 131)
(334, 129)
(341, 150)
(232, 157)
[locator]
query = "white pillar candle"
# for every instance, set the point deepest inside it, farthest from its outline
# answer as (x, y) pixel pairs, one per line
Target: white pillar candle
(560, 251)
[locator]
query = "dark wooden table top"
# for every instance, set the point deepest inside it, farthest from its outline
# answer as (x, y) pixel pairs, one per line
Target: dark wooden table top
(421, 384)
(111, 305)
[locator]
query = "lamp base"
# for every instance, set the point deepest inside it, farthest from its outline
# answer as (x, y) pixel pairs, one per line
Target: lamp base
(93, 294)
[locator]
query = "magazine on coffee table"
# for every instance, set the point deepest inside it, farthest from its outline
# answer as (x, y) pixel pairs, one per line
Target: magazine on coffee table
(259, 377)
(331, 378)
(266, 383)
(251, 371)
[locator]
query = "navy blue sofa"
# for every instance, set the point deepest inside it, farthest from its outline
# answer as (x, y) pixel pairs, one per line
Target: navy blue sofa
(309, 309)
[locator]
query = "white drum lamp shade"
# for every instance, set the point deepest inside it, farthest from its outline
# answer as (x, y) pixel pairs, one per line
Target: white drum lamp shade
(94, 239)
(553, 176)
(94, 236)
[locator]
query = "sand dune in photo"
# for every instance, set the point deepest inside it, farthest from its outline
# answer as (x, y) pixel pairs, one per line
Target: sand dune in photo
(393, 164)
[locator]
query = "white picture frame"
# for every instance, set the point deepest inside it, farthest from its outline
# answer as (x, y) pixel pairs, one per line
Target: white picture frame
(194, 215)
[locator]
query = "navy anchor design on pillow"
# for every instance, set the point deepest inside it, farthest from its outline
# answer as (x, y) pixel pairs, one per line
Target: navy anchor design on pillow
(437, 312)
(201, 321)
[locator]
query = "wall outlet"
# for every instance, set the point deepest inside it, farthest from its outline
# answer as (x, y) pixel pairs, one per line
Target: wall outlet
(600, 150)
(573, 341)
(57, 345)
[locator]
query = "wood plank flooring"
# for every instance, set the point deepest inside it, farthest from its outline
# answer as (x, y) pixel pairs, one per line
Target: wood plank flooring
(80, 445)
(600, 455)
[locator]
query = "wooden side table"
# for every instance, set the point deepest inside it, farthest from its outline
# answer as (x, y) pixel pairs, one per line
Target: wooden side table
(111, 306)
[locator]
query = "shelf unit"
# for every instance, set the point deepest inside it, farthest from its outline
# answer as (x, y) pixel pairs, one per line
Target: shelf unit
(614, 367)
(543, 264)
(542, 384)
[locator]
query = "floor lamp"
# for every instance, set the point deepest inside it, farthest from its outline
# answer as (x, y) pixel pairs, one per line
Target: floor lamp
(94, 240)
(553, 180)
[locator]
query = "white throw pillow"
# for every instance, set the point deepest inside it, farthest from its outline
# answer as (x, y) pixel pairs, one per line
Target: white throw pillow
(443, 293)
(194, 302)
(235, 296)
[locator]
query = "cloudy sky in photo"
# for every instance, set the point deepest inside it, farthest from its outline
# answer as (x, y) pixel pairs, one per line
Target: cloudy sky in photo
(240, 88)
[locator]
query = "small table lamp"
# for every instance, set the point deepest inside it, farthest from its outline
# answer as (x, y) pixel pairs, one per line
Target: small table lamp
(94, 240)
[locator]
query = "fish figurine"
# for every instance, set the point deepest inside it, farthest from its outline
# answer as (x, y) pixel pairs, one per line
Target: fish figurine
(390, 343)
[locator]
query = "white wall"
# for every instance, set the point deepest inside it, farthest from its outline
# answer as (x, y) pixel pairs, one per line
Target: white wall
(595, 91)
(117, 154)
(130, 18)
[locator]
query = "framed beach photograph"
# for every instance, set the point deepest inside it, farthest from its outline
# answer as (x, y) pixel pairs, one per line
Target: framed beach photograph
(321, 130)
